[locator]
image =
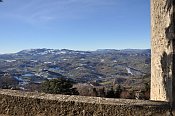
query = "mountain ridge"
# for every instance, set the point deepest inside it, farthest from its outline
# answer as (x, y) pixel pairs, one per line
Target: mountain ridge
(101, 66)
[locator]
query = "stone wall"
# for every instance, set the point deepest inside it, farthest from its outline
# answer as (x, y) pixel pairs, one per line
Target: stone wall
(162, 58)
(19, 103)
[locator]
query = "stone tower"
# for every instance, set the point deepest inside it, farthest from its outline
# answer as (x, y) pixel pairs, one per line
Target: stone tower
(163, 49)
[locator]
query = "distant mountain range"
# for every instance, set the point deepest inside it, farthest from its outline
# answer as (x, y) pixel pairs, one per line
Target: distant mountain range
(45, 52)
(100, 66)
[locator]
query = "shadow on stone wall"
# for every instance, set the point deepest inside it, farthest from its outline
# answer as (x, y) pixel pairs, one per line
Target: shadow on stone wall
(170, 35)
(169, 31)
(166, 68)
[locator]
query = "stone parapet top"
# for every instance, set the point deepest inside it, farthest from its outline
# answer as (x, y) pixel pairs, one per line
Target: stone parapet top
(84, 99)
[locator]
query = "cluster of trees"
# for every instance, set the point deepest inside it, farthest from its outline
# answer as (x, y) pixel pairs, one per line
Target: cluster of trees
(69, 87)
(7, 82)
(114, 91)
(59, 86)
(65, 86)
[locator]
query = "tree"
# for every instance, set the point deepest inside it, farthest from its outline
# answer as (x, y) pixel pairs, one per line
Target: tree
(59, 86)
(101, 92)
(110, 93)
(8, 82)
(95, 92)
(118, 91)
(147, 86)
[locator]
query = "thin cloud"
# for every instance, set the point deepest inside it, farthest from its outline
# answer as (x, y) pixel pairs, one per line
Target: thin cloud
(49, 10)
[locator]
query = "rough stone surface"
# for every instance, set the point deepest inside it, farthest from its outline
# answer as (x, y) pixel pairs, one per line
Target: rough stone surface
(162, 58)
(19, 103)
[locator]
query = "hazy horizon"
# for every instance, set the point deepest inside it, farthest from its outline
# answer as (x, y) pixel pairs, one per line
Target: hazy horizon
(74, 24)
(77, 49)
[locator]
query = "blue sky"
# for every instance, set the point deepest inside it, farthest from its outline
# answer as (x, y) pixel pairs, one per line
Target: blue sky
(74, 24)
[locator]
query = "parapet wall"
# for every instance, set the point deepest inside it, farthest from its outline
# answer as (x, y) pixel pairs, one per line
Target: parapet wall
(19, 103)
